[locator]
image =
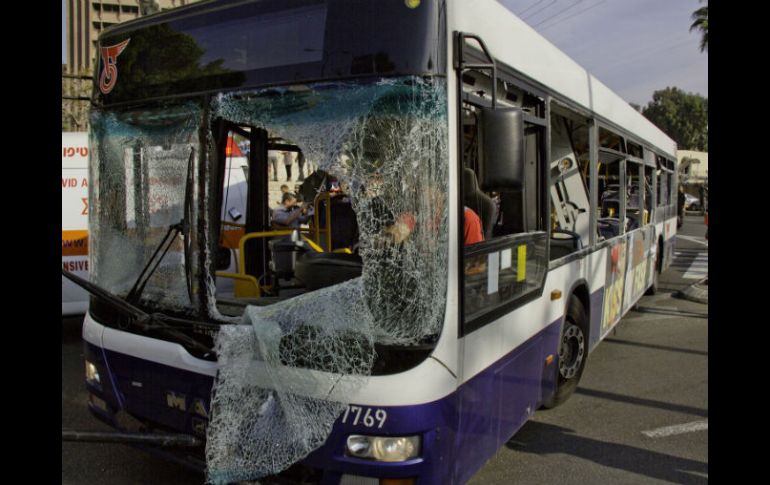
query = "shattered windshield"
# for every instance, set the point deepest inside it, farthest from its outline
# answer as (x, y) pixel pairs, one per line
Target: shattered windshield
(384, 146)
(139, 174)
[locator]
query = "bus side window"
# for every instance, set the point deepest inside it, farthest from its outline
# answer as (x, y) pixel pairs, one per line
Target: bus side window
(569, 190)
(514, 211)
(662, 183)
(508, 265)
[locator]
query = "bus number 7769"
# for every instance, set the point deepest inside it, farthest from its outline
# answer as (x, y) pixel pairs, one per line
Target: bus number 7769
(368, 419)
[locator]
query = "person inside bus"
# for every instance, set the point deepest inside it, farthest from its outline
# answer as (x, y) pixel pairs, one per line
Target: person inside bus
(290, 215)
(472, 227)
(400, 228)
(405, 224)
(483, 206)
(473, 234)
(284, 190)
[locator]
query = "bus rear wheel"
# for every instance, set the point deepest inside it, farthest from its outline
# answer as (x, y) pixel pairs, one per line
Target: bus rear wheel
(573, 352)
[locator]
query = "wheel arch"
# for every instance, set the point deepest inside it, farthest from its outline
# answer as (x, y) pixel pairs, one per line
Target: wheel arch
(580, 291)
(557, 391)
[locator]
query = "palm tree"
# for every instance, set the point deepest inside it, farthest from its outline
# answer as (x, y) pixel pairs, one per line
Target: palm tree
(701, 22)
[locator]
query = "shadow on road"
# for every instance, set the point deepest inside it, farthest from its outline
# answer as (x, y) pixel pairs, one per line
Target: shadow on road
(656, 347)
(541, 439)
(643, 402)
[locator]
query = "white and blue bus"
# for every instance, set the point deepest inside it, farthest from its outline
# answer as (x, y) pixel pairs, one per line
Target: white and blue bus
(481, 213)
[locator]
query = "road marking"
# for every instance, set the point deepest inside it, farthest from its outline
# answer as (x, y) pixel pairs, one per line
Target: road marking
(695, 275)
(698, 474)
(677, 429)
(697, 240)
(693, 262)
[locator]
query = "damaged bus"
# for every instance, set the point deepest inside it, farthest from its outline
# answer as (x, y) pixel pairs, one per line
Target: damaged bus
(360, 340)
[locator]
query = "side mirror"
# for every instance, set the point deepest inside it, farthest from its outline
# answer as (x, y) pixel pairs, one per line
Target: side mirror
(501, 166)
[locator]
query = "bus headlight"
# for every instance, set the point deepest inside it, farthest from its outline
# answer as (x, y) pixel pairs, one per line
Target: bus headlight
(92, 375)
(383, 448)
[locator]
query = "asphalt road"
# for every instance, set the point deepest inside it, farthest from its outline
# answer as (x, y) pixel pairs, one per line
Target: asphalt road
(649, 375)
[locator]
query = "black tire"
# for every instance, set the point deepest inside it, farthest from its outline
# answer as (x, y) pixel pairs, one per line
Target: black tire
(573, 353)
(653, 289)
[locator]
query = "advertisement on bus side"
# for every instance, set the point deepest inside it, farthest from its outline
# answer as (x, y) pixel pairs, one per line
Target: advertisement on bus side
(616, 272)
(637, 269)
(74, 219)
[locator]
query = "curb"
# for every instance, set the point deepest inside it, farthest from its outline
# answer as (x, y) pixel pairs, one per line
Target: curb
(697, 292)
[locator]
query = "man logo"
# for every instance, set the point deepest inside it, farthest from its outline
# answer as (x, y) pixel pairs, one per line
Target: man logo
(110, 71)
(176, 401)
(199, 408)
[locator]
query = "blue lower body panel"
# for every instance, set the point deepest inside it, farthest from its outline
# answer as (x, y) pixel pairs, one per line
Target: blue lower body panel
(460, 432)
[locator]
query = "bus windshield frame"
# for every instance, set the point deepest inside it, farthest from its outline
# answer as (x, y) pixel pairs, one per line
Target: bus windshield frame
(225, 49)
(382, 140)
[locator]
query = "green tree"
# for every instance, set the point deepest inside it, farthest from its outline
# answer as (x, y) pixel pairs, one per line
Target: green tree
(701, 22)
(682, 116)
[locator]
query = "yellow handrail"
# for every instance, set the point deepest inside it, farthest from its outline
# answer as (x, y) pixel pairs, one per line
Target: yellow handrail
(312, 244)
(246, 286)
(256, 235)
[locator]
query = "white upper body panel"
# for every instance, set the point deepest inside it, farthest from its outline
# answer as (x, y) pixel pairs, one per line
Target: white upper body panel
(511, 41)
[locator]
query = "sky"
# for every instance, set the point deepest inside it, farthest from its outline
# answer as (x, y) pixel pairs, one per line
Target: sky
(635, 47)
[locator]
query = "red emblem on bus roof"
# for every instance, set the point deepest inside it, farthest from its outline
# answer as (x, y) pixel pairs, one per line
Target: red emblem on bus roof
(110, 70)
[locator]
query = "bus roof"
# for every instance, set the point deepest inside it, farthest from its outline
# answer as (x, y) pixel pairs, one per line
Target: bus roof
(518, 45)
(511, 41)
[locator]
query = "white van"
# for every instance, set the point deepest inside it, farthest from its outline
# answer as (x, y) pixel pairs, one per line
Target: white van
(74, 219)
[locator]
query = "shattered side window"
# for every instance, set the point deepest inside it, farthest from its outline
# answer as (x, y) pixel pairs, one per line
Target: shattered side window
(143, 163)
(285, 373)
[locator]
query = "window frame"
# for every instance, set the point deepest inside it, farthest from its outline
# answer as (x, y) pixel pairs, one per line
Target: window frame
(504, 74)
(591, 182)
(496, 245)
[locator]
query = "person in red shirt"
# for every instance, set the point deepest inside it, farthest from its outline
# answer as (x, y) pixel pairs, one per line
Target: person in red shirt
(406, 223)
(472, 227)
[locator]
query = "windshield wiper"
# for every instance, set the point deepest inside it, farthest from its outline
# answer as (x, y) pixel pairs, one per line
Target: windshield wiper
(182, 227)
(187, 216)
(136, 291)
(143, 320)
